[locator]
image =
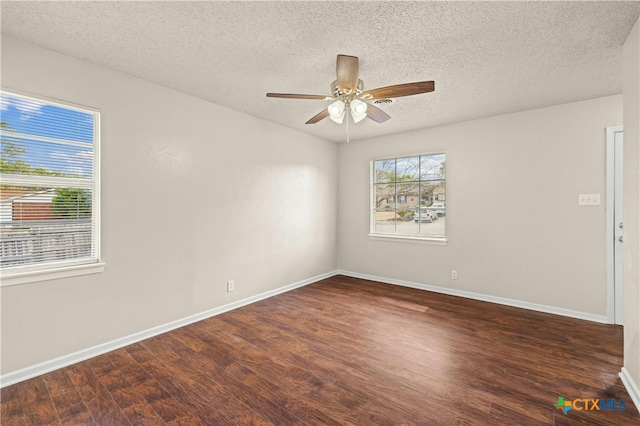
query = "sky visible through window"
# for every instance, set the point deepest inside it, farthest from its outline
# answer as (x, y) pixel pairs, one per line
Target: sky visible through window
(61, 139)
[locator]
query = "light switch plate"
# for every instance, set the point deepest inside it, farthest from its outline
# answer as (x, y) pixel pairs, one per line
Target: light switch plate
(588, 199)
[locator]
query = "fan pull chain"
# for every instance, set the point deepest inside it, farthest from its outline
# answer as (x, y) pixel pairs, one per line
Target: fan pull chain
(347, 117)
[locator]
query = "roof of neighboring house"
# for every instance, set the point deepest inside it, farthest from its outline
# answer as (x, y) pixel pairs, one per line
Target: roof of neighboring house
(11, 195)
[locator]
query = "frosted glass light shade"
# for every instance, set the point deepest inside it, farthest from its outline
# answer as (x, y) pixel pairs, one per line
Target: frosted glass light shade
(336, 111)
(358, 110)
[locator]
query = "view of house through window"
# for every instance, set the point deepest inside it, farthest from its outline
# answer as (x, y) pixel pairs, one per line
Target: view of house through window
(409, 196)
(48, 184)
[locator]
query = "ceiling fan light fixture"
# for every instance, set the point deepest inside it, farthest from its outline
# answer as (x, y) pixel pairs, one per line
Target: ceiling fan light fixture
(358, 110)
(336, 111)
(348, 91)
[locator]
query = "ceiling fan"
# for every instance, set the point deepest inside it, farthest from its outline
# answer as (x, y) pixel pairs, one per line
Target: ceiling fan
(348, 94)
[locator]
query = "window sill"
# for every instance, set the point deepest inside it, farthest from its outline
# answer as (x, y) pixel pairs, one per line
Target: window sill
(408, 239)
(50, 274)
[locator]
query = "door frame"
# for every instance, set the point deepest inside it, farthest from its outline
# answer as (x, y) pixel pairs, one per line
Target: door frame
(614, 298)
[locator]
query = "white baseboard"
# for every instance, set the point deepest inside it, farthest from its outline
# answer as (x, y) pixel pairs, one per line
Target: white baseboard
(631, 386)
(82, 355)
(483, 297)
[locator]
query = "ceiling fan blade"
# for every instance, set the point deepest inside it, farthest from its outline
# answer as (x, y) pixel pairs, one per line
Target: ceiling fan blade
(295, 96)
(319, 116)
(399, 90)
(347, 69)
(376, 114)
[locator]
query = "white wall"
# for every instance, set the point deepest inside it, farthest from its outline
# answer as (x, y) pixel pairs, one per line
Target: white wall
(631, 83)
(514, 228)
(193, 194)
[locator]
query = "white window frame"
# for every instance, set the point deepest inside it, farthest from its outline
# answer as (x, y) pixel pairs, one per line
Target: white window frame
(42, 272)
(372, 208)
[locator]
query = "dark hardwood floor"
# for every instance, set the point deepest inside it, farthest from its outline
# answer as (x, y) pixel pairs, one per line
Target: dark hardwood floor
(344, 351)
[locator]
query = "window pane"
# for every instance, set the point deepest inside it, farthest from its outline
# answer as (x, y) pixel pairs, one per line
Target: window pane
(432, 167)
(385, 171)
(385, 221)
(434, 229)
(429, 191)
(407, 196)
(385, 196)
(407, 169)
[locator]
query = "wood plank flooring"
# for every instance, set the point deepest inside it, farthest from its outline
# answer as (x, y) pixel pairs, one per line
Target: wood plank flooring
(343, 351)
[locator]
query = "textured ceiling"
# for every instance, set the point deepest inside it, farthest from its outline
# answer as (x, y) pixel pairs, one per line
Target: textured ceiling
(486, 58)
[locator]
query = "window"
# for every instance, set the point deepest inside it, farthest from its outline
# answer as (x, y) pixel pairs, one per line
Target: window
(49, 200)
(409, 179)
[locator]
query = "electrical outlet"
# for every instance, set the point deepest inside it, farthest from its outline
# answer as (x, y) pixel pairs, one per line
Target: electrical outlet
(231, 285)
(454, 274)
